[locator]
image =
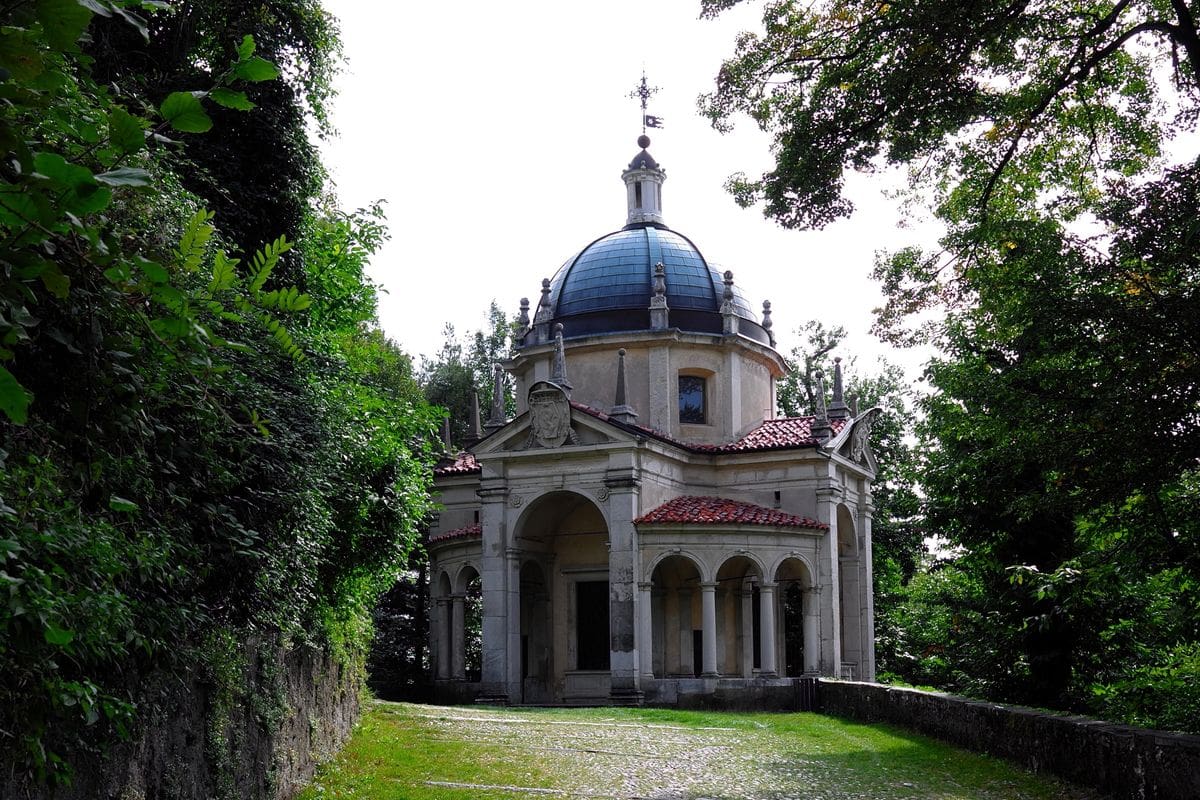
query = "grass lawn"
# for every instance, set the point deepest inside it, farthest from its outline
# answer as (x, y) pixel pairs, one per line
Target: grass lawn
(402, 751)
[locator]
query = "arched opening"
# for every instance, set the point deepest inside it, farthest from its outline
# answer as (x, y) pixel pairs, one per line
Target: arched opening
(799, 618)
(564, 626)
(675, 618)
(739, 617)
(467, 617)
(443, 622)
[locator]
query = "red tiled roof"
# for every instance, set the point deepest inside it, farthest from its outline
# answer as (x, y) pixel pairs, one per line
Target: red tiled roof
(469, 532)
(772, 434)
(689, 510)
(464, 464)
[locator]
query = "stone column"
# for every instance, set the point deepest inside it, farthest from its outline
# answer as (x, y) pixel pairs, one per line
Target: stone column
(512, 567)
(812, 630)
(494, 578)
(458, 635)
(766, 621)
(645, 634)
(747, 597)
(865, 588)
(830, 582)
(708, 624)
(443, 638)
(624, 664)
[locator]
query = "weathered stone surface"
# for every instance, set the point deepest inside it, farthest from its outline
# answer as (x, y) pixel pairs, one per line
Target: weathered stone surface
(299, 710)
(1120, 760)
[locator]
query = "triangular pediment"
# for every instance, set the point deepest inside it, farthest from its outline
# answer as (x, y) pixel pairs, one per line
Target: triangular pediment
(586, 430)
(854, 440)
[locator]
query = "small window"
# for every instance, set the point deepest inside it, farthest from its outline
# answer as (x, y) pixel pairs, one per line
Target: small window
(691, 400)
(637, 193)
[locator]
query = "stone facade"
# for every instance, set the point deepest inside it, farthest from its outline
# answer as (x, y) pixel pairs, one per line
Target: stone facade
(646, 527)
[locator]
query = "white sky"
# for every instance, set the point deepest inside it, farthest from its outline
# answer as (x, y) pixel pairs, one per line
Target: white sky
(497, 133)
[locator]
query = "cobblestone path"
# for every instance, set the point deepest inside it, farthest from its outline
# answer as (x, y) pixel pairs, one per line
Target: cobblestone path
(442, 752)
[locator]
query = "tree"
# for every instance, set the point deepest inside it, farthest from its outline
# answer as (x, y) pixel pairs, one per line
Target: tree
(898, 531)
(450, 379)
(1062, 430)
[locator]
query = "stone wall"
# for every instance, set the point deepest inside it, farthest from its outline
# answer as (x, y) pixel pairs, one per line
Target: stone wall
(1120, 760)
(259, 740)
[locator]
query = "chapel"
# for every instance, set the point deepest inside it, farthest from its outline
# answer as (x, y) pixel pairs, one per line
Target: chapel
(646, 529)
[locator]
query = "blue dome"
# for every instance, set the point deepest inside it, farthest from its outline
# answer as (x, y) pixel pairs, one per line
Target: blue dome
(607, 287)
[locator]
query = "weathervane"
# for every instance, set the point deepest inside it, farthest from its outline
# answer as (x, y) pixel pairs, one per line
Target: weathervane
(644, 92)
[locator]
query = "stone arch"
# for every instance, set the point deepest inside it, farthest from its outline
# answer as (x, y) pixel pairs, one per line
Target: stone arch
(798, 603)
(444, 586)
(739, 639)
(462, 579)
(847, 532)
(466, 625)
(675, 584)
(700, 563)
(563, 629)
(550, 510)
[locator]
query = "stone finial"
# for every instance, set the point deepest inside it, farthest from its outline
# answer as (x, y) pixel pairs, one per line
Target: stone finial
(821, 429)
(766, 323)
(541, 319)
(659, 312)
(838, 408)
(622, 411)
(853, 405)
(474, 432)
(523, 317)
(728, 313)
(559, 374)
(497, 420)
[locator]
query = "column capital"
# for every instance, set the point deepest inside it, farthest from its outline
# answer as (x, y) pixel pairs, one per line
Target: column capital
(494, 494)
(764, 586)
(708, 586)
(645, 586)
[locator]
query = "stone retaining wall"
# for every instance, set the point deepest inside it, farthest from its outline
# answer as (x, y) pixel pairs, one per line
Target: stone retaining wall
(293, 709)
(1120, 760)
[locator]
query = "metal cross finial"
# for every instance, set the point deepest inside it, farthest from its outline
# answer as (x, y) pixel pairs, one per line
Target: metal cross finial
(643, 93)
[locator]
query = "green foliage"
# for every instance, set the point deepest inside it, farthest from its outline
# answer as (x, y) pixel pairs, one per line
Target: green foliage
(1061, 436)
(450, 379)
(194, 447)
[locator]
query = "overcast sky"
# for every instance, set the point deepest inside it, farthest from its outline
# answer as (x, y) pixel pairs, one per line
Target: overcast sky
(497, 133)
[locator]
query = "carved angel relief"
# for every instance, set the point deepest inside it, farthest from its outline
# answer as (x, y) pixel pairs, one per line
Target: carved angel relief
(860, 437)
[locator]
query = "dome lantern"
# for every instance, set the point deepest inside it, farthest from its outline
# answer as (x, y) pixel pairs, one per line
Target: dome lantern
(643, 187)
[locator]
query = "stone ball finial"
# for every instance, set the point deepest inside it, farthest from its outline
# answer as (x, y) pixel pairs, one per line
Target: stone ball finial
(621, 352)
(729, 276)
(837, 359)
(643, 141)
(558, 328)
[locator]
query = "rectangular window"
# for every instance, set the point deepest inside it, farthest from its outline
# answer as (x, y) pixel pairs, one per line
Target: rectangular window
(691, 400)
(637, 194)
(591, 625)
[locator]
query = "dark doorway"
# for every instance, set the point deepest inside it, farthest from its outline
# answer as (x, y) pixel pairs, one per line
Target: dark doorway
(591, 625)
(697, 653)
(793, 630)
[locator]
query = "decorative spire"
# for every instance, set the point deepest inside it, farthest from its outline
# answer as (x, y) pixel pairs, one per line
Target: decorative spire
(821, 429)
(474, 433)
(838, 408)
(496, 420)
(659, 312)
(622, 411)
(559, 376)
(541, 320)
(728, 312)
(523, 317)
(766, 323)
(643, 177)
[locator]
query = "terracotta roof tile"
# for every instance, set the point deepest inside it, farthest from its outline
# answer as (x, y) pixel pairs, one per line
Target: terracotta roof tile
(469, 532)
(691, 510)
(464, 464)
(772, 434)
